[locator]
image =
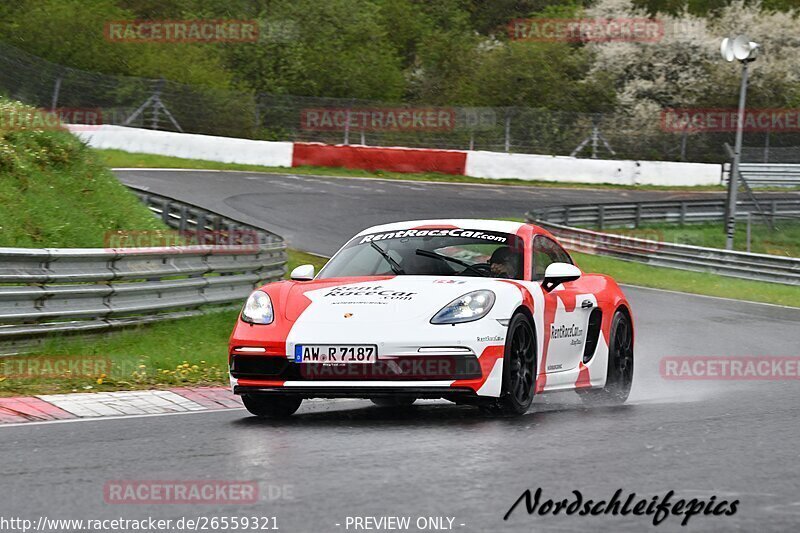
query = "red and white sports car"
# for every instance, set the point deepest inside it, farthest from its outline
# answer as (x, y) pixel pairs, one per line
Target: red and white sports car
(474, 311)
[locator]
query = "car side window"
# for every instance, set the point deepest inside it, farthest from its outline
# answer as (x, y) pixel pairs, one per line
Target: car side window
(545, 252)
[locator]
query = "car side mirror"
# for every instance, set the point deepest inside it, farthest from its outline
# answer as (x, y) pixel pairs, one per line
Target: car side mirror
(303, 273)
(557, 273)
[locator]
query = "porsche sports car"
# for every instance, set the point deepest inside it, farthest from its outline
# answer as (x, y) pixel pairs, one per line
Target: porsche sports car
(478, 312)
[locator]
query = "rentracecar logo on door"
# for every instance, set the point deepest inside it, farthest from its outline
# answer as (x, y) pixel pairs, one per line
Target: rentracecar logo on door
(573, 332)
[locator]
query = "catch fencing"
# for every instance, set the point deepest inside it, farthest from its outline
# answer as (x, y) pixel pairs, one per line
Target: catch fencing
(613, 133)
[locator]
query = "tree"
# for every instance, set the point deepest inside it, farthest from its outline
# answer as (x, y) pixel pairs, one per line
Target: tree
(71, 33)
(684, 69)
(336, 48)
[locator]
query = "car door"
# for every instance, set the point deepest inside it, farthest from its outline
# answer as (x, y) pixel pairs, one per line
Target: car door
(566, 310)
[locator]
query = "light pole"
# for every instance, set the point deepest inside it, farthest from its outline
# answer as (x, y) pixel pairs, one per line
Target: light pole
(744, 50)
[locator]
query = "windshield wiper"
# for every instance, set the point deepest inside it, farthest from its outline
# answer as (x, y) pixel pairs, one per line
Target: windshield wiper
(434, 255)
(395, 266)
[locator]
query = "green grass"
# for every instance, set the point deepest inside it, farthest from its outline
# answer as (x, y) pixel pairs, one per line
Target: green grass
(179, 352)
(187, 351)
(692, 282)
(122, 159)
(785, 240)
(297, 258)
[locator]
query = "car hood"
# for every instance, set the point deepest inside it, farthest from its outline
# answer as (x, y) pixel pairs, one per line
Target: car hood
(373, 300)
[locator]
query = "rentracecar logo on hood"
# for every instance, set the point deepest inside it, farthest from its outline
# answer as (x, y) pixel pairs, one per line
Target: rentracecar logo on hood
(375, 291)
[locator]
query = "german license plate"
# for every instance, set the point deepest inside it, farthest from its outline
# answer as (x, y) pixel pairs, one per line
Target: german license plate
(335, 353)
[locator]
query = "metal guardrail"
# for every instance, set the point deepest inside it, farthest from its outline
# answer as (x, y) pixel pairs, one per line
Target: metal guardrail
(766, 174)
(45, 291)
(745, 265)
(635, 214)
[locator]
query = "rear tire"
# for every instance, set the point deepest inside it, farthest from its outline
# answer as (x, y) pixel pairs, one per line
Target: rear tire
(519, 370)
(264, 406)
(394, 401)
(619, 375)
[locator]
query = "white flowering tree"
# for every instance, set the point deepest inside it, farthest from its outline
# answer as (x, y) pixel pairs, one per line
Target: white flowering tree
(684, 69)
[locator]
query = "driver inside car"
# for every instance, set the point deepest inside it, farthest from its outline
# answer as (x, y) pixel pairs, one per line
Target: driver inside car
(505, 263)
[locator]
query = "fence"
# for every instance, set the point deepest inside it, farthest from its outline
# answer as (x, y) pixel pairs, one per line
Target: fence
(766, 174)
(160, 104)
(635, 214)
(745, 265)
(49, 291)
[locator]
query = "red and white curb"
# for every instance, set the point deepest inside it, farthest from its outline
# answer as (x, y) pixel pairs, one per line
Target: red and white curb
(52, 407)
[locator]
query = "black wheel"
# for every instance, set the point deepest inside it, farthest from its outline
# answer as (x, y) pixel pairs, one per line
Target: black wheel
(519, 369)
(619, 376)
(264, 406)
(393, 401)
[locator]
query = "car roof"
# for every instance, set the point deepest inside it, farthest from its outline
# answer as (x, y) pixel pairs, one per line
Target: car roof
(504, 226)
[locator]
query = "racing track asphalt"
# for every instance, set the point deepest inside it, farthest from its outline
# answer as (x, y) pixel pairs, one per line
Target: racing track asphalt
(735, 440)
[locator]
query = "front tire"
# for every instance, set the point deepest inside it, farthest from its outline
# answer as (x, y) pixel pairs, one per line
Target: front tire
(264, 406)
(519, 369)
(619, 375)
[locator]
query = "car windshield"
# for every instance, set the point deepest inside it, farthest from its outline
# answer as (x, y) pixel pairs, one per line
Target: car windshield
(430, 252)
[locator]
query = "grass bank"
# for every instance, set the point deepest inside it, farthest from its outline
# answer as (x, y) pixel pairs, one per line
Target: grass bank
(55, 191)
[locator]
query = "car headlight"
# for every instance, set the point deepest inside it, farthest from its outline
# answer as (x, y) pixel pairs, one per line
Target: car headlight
(471, 306)
(258, 309)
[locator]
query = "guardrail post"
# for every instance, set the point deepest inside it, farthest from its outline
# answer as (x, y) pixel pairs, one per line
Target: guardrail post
(165, 206)
(566, 215)
(638, 219)
(601, 216)
(182, 220)
(748, 231)
(774, 208)
(232, 231)
(683, 213)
